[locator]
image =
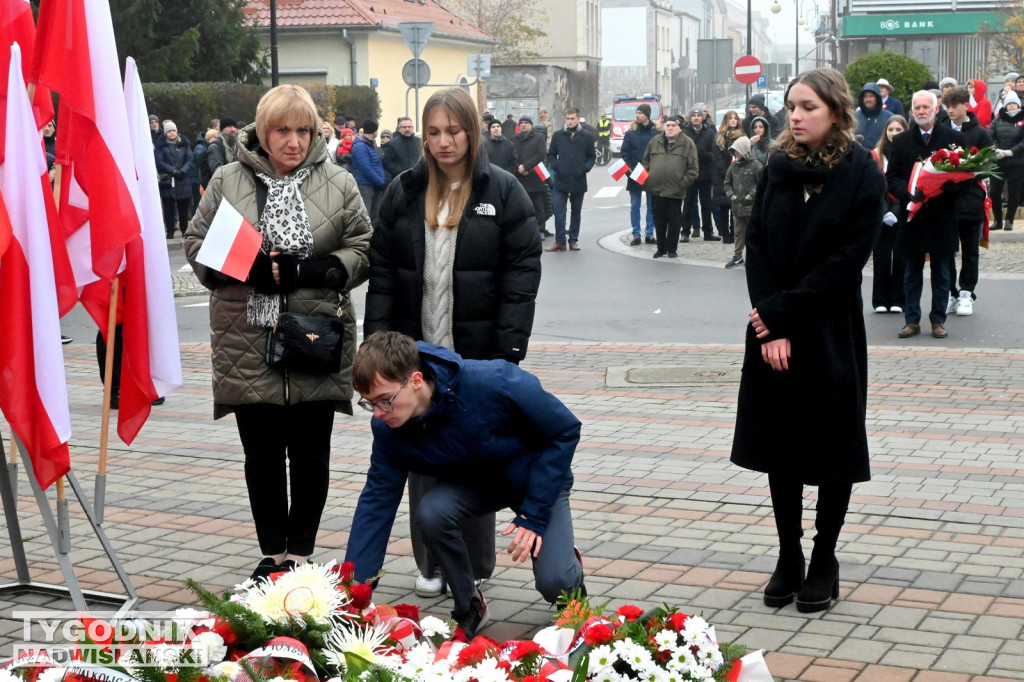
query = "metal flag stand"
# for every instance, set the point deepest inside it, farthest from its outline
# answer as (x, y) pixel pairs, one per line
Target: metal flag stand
(59, 530)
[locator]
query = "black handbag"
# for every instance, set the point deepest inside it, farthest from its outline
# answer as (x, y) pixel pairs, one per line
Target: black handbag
(310, 344)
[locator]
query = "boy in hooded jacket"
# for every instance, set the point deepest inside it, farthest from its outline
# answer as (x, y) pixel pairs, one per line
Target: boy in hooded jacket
(493, 437)
(741, 186)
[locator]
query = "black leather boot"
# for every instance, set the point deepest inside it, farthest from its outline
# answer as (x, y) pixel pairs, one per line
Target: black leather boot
(787, 579)
(822, 583)
(787, 505)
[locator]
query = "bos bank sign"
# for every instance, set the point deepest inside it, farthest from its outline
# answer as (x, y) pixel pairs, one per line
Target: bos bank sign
(917, 24)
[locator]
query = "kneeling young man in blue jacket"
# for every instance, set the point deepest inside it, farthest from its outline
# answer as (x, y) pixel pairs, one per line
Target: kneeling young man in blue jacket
(492, 436)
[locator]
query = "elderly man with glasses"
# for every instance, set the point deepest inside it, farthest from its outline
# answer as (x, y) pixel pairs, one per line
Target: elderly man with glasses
(493, 437)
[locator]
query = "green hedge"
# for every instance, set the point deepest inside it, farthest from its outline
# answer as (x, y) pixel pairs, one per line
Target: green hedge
(905, 74)
(192, 105)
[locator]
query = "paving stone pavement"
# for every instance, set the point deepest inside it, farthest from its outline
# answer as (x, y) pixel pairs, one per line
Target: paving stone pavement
(932, 556)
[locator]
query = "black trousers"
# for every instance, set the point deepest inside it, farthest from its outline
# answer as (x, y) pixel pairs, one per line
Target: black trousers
(970, 238)
(101, 359)
(890, 266)
(302, 433)
(1013, 177)
(698, 189)
(540, 201)
(182, 206)
(667, 222)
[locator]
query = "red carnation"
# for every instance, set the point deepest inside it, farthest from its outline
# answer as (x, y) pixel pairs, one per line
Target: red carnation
(974, 150)
(678, 621)
(410, 611)
(524, 649)
(530, 678)
(630, 612)
(361, 594)
(598, 634)
(476, 651)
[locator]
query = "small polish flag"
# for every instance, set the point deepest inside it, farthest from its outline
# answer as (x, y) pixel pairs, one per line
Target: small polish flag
(618, 169)
(231, 244)
(542, 171)
(639, 174)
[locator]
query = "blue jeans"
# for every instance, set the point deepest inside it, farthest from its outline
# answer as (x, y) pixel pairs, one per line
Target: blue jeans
(446, 506)
(634, 213)
(575, 199)
(913, 284)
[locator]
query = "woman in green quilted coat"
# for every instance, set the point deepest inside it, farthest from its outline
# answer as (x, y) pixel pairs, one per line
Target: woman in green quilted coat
(316, 238)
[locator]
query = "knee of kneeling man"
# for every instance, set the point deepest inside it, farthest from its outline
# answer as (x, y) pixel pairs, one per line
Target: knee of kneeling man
(552, 586)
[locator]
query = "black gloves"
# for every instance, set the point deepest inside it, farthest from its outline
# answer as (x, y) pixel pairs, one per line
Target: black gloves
(316, 272)
(261, 278)
(917, 196)
(178, 175)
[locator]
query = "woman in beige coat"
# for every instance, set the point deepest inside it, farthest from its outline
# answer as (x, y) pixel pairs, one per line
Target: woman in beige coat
(316, 237)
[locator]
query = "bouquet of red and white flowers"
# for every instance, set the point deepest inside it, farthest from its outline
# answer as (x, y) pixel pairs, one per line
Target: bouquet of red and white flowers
(948, 165)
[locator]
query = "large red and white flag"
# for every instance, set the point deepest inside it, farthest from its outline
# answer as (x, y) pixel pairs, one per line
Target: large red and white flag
(33, 389)
(76, 56)
(231, 243)
(18, 26)
(155, 277)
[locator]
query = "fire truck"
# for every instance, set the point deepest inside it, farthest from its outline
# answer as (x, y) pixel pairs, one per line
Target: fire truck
(624, 113)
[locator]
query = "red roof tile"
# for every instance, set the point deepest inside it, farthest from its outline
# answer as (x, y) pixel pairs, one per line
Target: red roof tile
(364, 13)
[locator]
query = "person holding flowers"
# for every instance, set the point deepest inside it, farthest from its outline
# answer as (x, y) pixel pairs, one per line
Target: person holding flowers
(930, 226)
(802, 399)
(970, 205)
(492, 437)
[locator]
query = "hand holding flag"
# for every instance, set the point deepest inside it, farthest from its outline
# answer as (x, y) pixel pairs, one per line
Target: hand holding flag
(618, 169)
(639, 174)
(231, 244)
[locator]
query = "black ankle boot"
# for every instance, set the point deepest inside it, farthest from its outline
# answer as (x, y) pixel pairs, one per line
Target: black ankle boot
(787, 579)
(821, 585)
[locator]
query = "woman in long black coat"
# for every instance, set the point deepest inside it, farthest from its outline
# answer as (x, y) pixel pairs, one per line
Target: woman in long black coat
(801, 410)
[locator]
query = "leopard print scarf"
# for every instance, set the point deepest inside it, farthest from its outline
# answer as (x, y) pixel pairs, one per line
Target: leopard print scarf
(285, 228)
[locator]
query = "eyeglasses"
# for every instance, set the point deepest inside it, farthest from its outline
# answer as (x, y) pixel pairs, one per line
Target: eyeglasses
(382, 405)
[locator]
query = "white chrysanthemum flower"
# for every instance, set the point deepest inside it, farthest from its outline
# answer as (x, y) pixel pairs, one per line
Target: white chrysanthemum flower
(54, 674)
(167, 656)
(695, 629)
(607, 675)
(432, 625)
(487, 670)
(682, 658)
(634, 655)
(601, 658)
(307, 590)
(210, 646)
(6, 676)
(365, 642)
(666, 640)
(699, 672)
(228, 669)
(710, 656)
(673, 676)
(189, 615)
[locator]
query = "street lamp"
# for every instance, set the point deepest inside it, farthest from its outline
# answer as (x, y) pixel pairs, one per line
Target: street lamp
(775, 9)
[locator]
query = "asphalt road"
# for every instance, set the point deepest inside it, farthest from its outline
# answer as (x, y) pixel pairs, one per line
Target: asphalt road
(602, 294)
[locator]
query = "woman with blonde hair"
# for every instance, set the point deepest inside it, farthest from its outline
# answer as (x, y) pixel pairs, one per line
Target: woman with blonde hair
(729, 131)
(316, 238)
(455, 262)
(816, 215)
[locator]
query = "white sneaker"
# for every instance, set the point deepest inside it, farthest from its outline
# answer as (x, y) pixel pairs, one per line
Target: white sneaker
(895, 309)
(429, 587)
(881, 309)
(951, 306)
(965, 306)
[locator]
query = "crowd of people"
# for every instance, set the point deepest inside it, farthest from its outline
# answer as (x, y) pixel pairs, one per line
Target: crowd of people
(447, 231)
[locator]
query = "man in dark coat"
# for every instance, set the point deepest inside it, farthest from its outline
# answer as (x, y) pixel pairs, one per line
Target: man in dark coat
(508, 127)
(531, 148)
(970, 206)
(173, 164)
(703, 136)
(634, 144)
(222, 151)
(501, 151)
(933, 229)
(494, 439)
(889, 103)
(756, 106)
(367, 169)
(156, 131)
(571, 156)
(404, 150)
